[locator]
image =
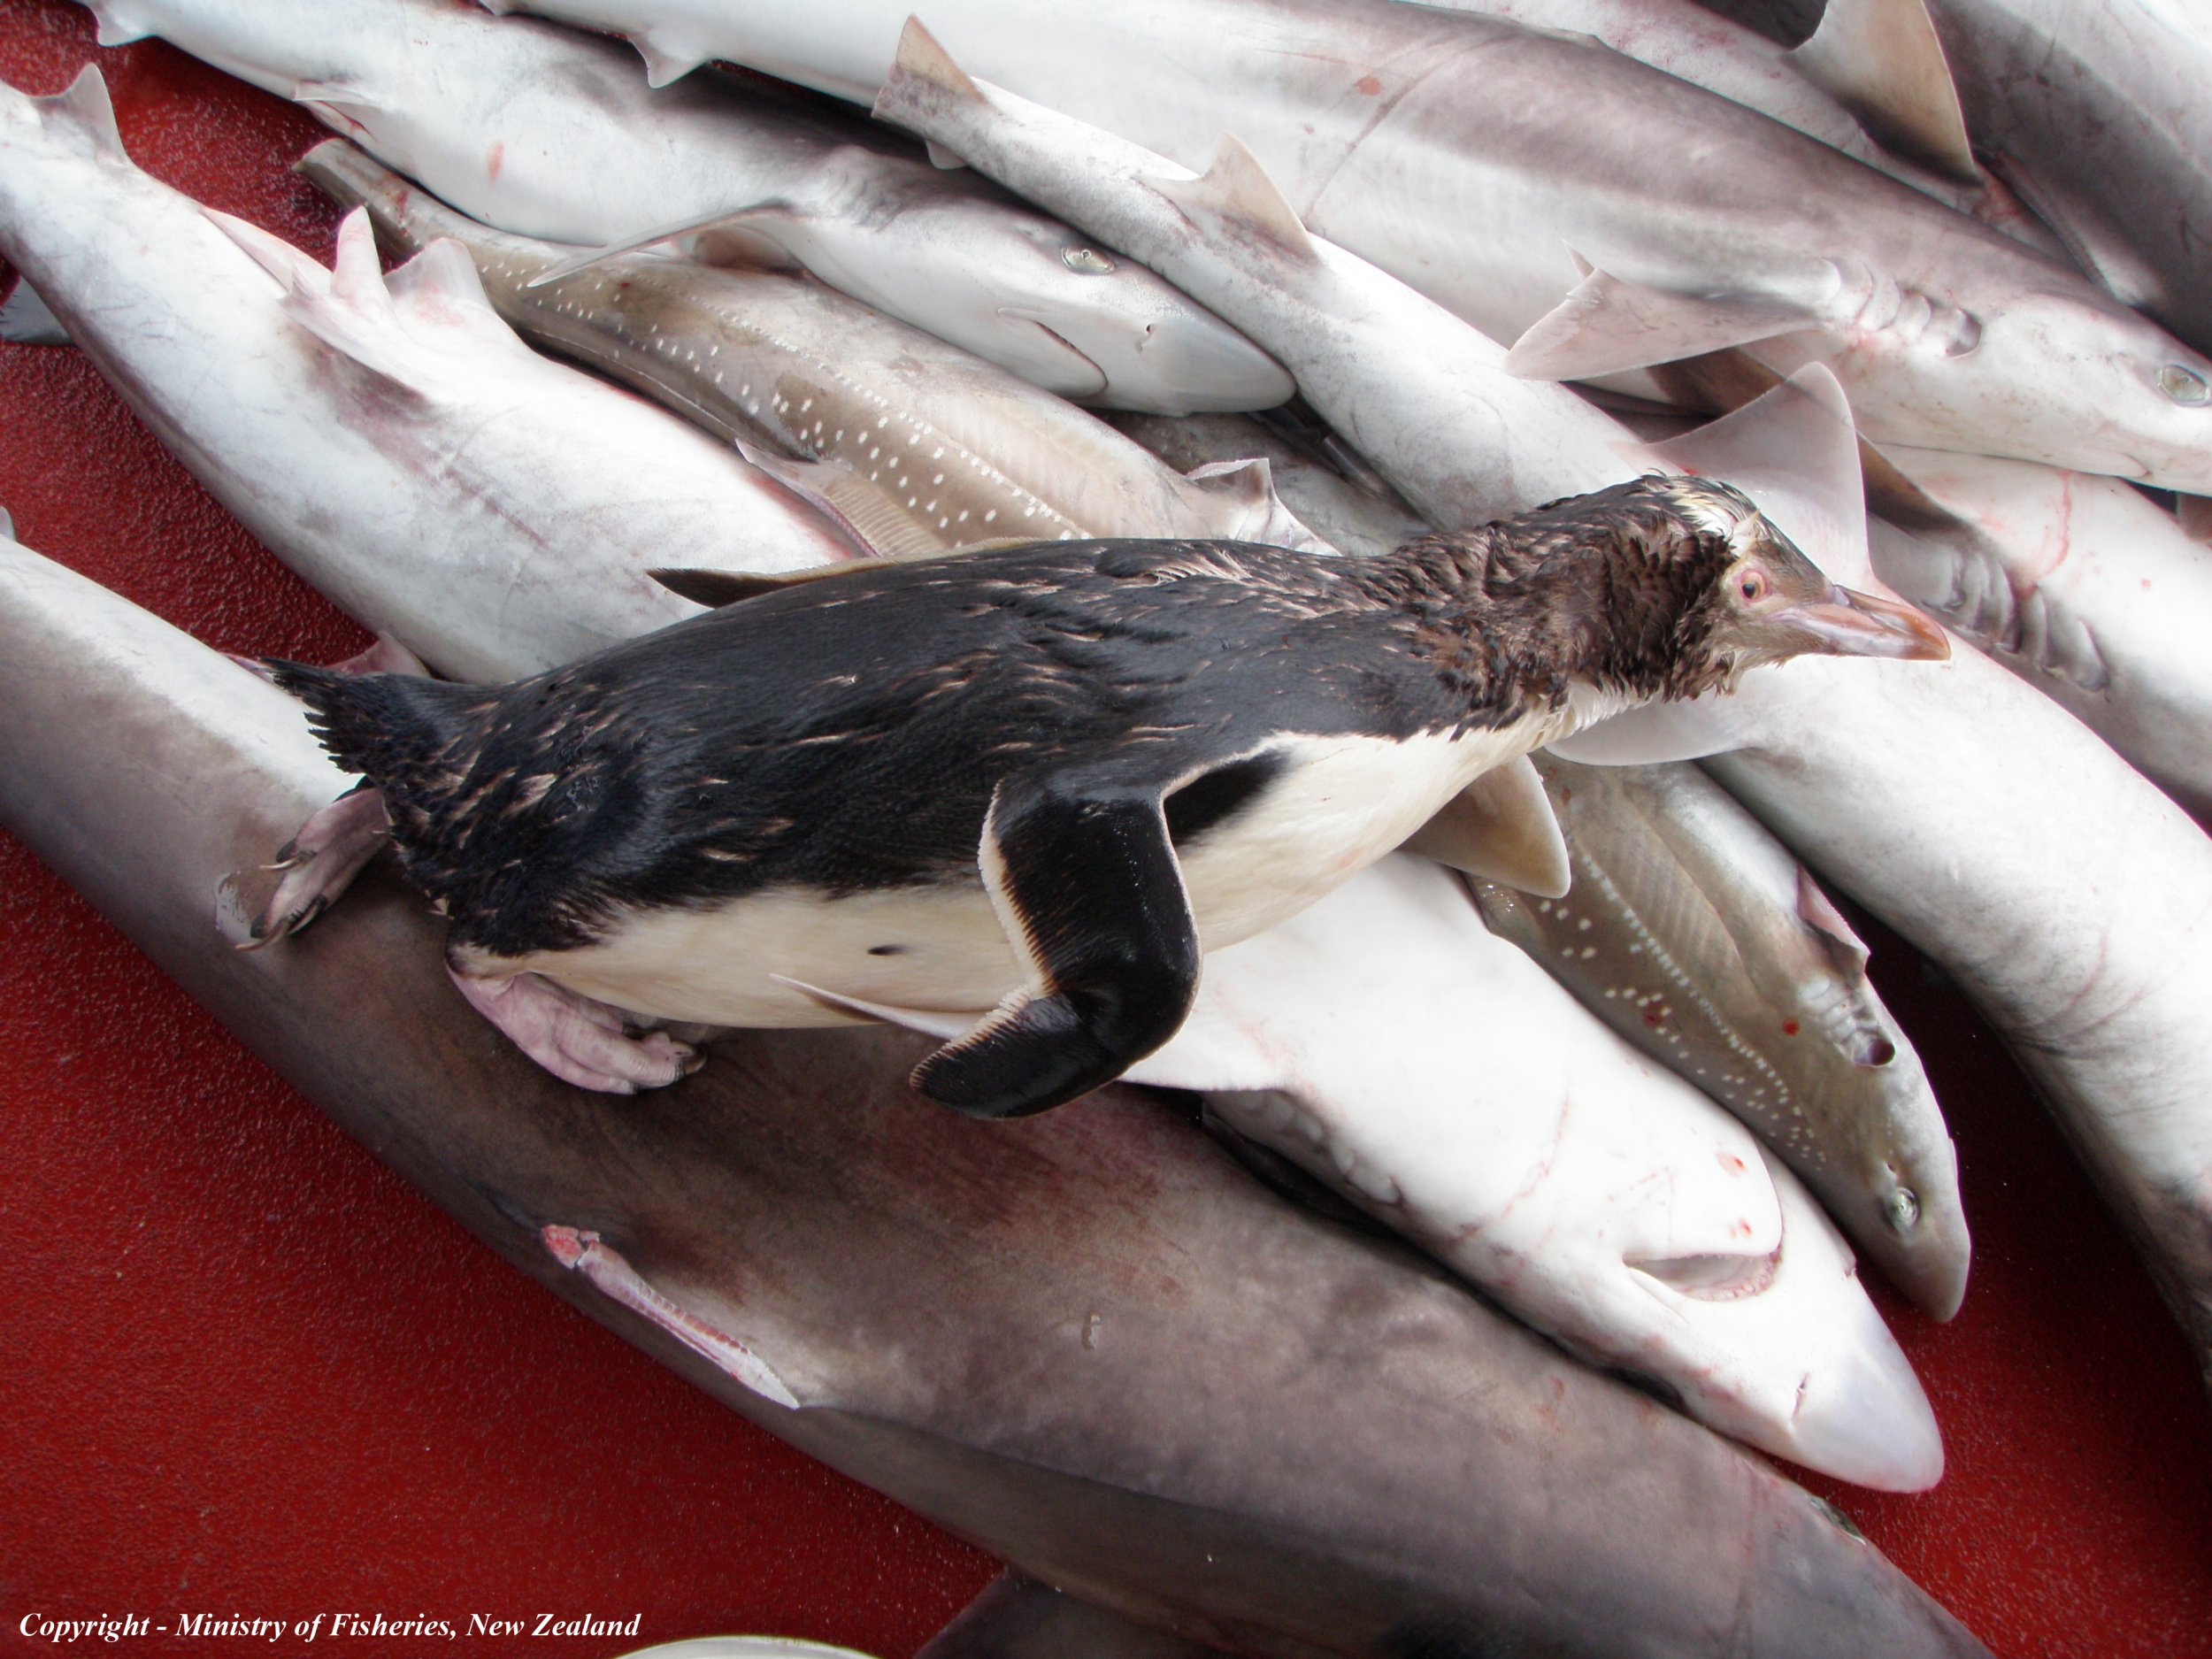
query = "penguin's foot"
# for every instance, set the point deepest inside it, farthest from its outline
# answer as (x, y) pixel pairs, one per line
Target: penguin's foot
(319, 863)
(580, 1041)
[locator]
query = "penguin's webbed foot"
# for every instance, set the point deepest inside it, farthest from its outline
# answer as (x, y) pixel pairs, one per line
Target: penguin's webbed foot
(1090, 889)
(319, 863)
(579, 1039)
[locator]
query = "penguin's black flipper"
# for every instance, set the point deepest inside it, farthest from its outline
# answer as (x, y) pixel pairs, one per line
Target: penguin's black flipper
(1089, 887)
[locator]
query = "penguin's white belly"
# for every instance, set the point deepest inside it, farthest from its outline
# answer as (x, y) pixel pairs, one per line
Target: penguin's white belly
(1341, 804)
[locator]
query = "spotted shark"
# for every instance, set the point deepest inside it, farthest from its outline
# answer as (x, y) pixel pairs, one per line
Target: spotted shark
(548, 133)
(1460, 153)
(912, 445)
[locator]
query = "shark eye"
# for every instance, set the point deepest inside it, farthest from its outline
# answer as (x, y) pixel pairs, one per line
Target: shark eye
(1088, 261)
(2184, 386)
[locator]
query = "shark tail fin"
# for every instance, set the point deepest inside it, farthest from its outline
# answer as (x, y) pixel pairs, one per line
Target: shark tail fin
(1237, 192)
(85, 105)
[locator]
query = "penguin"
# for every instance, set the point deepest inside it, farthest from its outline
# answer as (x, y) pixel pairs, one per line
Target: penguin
(1041, 779)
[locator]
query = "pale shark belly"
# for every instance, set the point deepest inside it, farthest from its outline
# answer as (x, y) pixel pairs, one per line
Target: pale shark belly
(1342, 803)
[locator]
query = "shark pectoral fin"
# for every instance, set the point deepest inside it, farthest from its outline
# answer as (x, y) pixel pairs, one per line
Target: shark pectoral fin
(1882, 61)
(1608, 325)
(872, 519)
(1236, 193)
(1501, 828)
(25, 320)
(1241, 499)
(84, 104)
(1819, 912)
(117, 28)
(668, 57)
(1654, 732)
(1794, 451)
(1088, 887)
(747, 232)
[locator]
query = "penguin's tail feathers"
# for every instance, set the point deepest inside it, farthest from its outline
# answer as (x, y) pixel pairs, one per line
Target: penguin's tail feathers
(395, 730)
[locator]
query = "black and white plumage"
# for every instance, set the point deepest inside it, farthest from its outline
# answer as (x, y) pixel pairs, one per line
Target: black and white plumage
(1044, 778)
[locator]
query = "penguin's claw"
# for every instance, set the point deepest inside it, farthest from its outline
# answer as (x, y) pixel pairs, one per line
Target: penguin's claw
(319, 863)
(576, 1039)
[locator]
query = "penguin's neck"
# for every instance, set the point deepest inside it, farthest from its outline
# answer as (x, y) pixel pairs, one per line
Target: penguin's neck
(1534, 632)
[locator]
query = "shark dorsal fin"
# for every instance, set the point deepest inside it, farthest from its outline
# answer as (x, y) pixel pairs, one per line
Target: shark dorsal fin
(85, 104)
(1237, 190)
(922, 56)
(1795, 452)
(1882, 60)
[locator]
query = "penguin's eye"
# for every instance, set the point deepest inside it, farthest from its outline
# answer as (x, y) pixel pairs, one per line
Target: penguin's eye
(1752, 585)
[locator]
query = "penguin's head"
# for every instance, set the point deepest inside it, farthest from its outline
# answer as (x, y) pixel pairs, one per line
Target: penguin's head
(1767, 603)
(1698, 585)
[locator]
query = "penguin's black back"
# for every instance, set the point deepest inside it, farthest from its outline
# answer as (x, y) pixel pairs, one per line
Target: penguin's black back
(847, 733)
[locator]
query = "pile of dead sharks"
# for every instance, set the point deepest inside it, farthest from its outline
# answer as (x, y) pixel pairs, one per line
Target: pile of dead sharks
(1251, 548)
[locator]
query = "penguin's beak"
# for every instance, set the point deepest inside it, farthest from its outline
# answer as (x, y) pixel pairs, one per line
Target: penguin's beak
(1850, 624)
